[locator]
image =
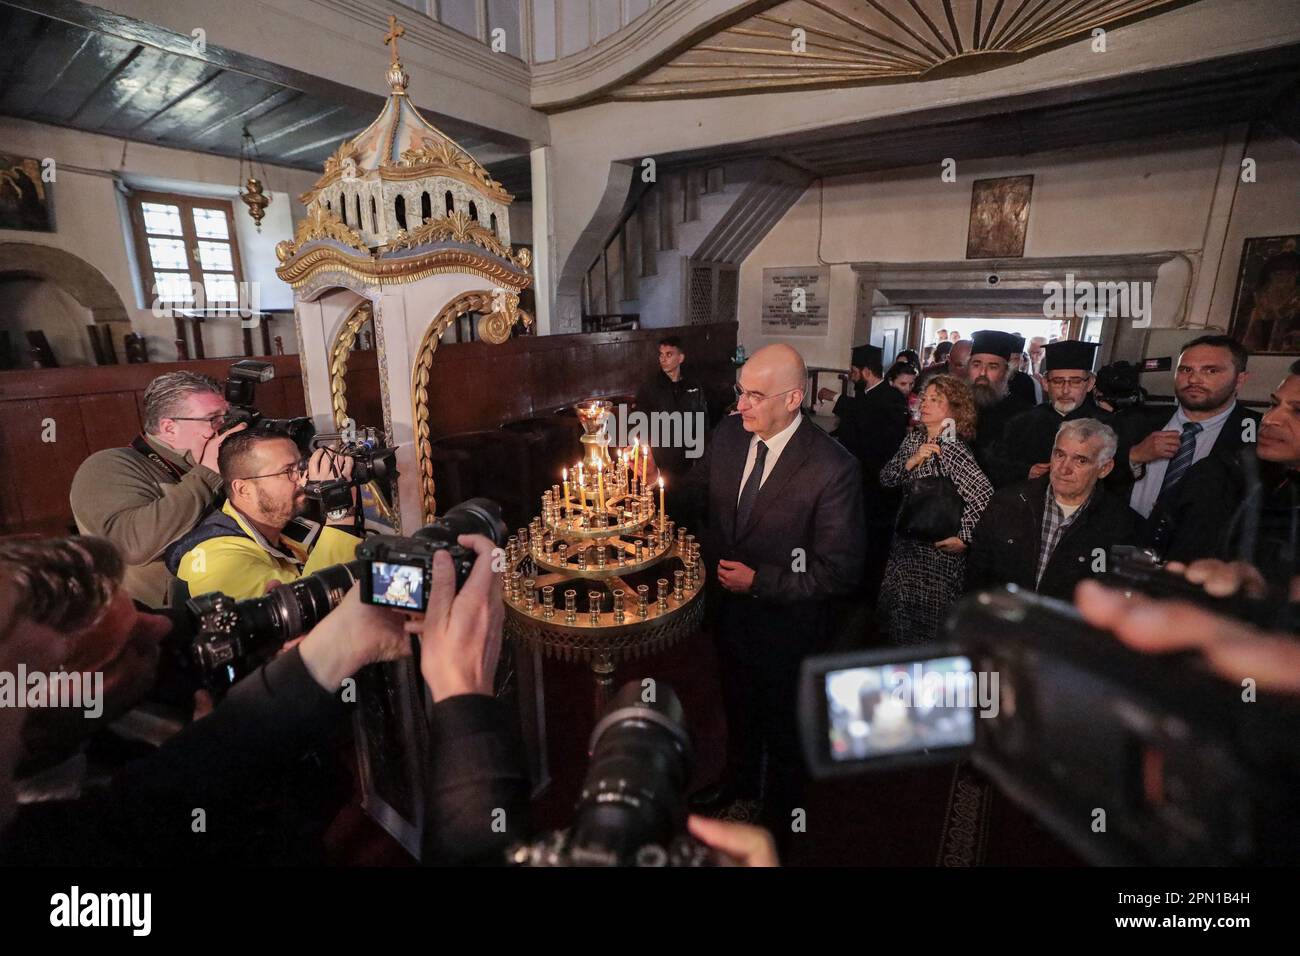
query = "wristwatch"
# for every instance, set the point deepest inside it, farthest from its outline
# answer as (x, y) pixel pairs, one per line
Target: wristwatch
(1139, 469)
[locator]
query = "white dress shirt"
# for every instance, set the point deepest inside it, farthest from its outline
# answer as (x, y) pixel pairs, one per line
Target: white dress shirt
(775, 445)
(1147, 489)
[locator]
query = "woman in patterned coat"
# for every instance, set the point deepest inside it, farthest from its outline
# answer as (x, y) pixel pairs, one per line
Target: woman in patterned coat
(923, 579)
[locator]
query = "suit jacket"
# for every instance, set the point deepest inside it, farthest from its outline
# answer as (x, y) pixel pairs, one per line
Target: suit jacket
(812, 500)
(1190, 522)
(1006, 543)
(872, 426)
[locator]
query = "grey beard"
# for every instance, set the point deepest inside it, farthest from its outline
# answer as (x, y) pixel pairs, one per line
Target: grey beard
(986, 396)
(1064, 408)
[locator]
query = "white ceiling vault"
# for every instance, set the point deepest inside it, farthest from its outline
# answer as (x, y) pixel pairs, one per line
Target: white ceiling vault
(797, 44)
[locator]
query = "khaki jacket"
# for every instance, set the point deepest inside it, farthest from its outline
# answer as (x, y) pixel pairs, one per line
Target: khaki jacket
(121, 495)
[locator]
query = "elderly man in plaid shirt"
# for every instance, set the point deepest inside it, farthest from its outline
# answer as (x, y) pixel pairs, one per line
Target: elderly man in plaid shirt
(1048, 533)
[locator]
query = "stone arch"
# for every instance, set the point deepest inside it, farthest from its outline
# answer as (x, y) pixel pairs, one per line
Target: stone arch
(70, 273)
(566, 314)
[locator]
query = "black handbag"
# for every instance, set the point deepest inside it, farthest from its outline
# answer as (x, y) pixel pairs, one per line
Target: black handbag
(932, 509)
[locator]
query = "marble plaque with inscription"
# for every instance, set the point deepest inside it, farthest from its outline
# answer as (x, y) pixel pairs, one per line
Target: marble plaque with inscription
(796, 300)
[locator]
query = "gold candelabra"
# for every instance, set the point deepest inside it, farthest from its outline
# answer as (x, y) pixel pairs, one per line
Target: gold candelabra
(579, 577)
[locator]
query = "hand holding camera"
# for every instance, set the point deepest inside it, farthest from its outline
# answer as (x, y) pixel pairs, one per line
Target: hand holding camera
(211, 449)
(461, 632)
(353, 635)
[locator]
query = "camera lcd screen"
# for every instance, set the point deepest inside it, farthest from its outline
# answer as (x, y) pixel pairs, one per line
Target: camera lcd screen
(397, 585)
(900, 708)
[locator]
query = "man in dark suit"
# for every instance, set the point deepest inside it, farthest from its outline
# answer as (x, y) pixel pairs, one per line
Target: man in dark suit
(990, 371)
(1049, 533)
(785, 535)
(1028, 439)
(1187, 469)
(872, 426)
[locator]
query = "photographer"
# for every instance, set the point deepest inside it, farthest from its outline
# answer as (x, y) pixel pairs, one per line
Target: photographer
(142, 498)
(221, 763)
(257, 540)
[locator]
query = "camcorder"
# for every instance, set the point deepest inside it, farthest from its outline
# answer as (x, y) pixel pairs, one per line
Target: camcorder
(632, 809)
(372, 460)
(233, 638)
(241, 382)
(1119, 383)
(1129, 758)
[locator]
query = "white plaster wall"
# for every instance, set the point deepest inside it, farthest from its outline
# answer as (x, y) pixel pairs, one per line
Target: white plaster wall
(1140, 197)
(89, 220)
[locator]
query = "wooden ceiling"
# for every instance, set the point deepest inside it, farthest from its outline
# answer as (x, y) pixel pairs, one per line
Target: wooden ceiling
(69, 64)
(847, 42)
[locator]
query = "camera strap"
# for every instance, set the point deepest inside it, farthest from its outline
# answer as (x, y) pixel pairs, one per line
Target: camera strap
(142, 446)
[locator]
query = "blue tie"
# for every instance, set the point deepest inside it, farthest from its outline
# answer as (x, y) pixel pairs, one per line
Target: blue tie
(1183, 460)
(749, 494)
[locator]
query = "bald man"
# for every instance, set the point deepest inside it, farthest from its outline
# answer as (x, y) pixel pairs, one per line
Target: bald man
(785, 535)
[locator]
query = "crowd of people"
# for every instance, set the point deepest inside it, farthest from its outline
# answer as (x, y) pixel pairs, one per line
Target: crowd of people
(941, 477)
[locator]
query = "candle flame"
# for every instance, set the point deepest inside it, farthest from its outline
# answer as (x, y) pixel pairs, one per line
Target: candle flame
(661, 482)
(564, 474)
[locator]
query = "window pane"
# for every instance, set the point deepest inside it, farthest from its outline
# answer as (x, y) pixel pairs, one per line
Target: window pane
(167, 253)
(215, 256)
(219, 287)
(172, 287)
(161, 219)
(210, 224)
(460, 15)
(504, 15)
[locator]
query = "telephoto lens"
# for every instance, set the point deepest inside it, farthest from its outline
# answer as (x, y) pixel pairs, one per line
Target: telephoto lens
(633, 803)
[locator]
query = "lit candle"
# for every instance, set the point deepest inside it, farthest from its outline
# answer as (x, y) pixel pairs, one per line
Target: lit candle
(636, 443)
(600, 486)
(582, 489)
(661, 499)
(564, 474)
(645, 463)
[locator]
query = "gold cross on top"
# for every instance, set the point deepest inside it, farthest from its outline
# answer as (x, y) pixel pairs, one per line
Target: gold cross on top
(395, 30)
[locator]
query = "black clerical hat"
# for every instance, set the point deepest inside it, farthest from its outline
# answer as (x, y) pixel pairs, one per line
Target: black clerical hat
(992, 342)
(867, 356)
(1069, 355)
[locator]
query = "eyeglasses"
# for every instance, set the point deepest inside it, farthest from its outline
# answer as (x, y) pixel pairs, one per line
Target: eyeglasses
(213, 420)
(292, 472)
(756, 397)
(1072, 382)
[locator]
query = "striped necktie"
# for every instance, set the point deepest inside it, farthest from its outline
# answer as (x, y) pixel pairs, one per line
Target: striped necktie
(1183, 459)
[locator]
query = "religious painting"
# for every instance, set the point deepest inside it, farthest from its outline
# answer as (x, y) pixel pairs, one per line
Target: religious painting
(1266, 309)
(24, 195)
(999, 216)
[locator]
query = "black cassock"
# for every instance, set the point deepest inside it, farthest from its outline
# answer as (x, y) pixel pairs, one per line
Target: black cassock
(991, 441)
(1029, 437)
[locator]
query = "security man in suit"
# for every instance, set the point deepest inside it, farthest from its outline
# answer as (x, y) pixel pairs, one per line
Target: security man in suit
(785, 535)
(1187, 469)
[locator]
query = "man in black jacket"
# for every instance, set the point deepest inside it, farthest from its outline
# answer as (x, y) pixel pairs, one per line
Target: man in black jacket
(872, 426)
(1049, 533)
(148, 813)
(1028, 439)
(1184, 471)
(785, 535)
(990, 370)
(673, 391)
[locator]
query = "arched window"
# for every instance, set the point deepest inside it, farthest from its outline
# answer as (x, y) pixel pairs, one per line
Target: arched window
(426, 208)
(399, 212)
(473, 212)
(451, 203)
(343, 208)
(374, 216)
(356, 207)
(493, 221)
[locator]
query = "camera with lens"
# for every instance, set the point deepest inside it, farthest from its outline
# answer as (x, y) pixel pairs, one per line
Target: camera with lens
(233, 638)
(372, 461)
(241, 382)
(397, 571)
(1067, 720)
(632, 810)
